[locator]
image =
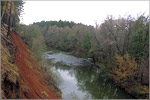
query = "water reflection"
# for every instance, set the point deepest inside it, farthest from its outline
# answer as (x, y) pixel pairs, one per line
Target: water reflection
(83, 82)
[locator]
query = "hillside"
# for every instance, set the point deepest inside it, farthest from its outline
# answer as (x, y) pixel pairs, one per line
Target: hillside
(21, 77)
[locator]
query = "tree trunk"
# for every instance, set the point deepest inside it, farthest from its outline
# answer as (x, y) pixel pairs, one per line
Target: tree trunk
(9, 23)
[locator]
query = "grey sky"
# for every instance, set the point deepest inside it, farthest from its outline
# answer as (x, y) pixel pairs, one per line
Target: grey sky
(86, 12)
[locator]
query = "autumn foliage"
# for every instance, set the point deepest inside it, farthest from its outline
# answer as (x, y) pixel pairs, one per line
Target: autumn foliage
(126, 75)
(126, 69)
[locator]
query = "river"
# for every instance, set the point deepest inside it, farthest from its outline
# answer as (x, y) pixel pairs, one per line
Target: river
(80, 80)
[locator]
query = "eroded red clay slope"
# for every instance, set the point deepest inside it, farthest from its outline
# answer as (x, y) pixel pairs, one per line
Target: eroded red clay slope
(32, 81)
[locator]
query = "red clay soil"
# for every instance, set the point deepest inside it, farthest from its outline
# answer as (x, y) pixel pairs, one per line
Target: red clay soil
(32, 80)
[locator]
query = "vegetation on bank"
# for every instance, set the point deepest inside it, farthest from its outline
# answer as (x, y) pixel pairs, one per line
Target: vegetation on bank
(22, 72)
(121, 44)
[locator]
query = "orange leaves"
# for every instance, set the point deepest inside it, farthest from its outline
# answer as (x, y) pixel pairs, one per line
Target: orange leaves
(126, 75)
(126, 68)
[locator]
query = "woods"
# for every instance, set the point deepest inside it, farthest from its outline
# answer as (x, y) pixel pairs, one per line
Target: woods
(119, 47)
(121, 44)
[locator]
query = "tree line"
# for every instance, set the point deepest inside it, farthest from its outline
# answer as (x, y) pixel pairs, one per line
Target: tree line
(59, 23)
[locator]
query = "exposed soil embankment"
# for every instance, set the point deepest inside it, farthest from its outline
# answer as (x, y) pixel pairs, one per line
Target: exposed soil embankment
(32, 79)
(21, 77)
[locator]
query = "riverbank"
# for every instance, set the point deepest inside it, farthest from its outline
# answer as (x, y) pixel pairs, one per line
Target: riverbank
(123, 79)
(22, 77)
(141, 92)
(82, 81)
(27, 67)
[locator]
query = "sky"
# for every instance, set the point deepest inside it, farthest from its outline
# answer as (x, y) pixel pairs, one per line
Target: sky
(86, 12)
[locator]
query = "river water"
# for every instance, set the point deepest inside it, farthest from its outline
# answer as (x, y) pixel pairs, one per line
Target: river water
(79, 80)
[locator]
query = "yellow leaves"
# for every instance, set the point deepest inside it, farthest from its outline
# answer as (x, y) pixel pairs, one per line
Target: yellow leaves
(119, 60)
(7, 7)
(43, 92)
(13, 8)
(9, 4)
(145, 90)
(4, 8)
(22, 32)
(141, 91)
(126, 68)
(131, 62)
(29, 51)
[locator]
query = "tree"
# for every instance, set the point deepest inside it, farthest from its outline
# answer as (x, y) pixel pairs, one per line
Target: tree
(139, 47)
(86, 44)
(10, 11)
(9, 23)
(38, 47)
(126, 70)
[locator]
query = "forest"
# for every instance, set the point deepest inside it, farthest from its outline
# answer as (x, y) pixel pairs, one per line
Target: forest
(121, 44)
(119, 47)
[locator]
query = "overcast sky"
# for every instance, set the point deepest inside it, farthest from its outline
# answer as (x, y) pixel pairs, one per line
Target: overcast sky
(86, 12)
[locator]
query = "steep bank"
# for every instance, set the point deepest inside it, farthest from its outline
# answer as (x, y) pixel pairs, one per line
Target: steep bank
(20, 76)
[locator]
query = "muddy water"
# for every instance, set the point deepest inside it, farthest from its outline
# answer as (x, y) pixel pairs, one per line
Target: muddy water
(82, 81)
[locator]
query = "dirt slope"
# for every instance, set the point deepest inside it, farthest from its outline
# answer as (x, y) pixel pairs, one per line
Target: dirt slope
(30, 83)
(29, 72)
